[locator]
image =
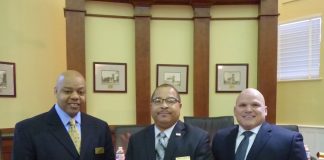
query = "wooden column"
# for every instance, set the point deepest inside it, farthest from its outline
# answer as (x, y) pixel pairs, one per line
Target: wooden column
(267, 55)
(201, 61)
(75, 40)
(7, 143)
(142, 64)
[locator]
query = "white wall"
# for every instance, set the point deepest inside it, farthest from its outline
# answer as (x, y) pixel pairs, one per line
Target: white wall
(313, 138)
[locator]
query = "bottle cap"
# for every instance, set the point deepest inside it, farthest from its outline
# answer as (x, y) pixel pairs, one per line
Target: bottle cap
(320, 154)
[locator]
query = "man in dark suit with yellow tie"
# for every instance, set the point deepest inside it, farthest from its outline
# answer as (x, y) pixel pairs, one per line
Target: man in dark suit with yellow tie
(254, 138)
(64, 133)
(168, 138)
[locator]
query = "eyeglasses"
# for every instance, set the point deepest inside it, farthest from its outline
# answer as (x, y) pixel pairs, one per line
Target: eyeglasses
(169, 101)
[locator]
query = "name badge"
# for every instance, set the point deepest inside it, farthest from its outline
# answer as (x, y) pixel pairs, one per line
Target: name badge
(183, 158)
(99, 150)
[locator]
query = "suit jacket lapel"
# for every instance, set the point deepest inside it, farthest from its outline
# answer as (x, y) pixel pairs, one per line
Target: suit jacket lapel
(175, 140)
(58, 130)
(87, 132)
(149, 142)
(231, 140)
(261, 139)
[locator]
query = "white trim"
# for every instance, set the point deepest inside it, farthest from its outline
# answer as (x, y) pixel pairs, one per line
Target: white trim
(313, 137)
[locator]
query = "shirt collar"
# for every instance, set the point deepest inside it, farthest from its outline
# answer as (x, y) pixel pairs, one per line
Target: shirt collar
(167, 131)
(254, 130)
(65, 118)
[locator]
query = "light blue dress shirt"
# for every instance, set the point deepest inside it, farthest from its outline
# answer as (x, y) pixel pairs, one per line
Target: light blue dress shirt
(65, 118)
(167, 133)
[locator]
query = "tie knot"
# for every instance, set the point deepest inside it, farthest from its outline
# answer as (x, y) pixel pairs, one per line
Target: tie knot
(162, 135)
(247, 134)
(72, 122)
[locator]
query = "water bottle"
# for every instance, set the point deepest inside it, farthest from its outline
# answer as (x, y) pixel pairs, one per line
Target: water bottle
(120, 154)
(308, 154)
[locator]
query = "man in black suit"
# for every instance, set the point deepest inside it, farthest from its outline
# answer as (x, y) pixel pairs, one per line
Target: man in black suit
(46, 136)
(182, 141)
(266, 141)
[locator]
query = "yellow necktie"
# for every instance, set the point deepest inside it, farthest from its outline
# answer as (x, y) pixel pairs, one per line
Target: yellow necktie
(74, 134)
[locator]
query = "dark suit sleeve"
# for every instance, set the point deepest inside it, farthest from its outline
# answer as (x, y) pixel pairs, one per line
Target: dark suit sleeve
(215, 147)
(22, 144)
(203, 151)
(129, 152)
(110, 154)
(297, 149)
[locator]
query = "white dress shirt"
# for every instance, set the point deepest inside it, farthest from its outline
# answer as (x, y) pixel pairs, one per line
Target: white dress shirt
(240, 137)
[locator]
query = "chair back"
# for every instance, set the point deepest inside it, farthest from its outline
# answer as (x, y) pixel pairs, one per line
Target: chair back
(290, 127)
(123, 133)
(210, 124)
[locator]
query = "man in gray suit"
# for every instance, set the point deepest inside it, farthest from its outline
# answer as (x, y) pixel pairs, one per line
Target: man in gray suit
(46, 136)
(180, 141)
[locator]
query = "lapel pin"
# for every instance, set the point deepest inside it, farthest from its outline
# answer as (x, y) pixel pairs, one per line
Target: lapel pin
(178, 134)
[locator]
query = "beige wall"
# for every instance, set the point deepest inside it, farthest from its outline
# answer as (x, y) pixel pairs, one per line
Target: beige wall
(301, 102)
(171, 43)
(231, 41)
(32, 36)
(111, 40)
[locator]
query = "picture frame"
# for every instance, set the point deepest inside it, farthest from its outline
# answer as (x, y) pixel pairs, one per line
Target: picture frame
(109, 77)
(231, 77)
(7, 79)
(176, 75)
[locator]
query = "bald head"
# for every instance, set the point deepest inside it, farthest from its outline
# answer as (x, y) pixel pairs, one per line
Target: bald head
(69, 74)
(253, 92)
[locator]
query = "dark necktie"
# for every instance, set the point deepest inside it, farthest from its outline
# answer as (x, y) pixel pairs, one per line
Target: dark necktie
(161, 145)
(241, 150)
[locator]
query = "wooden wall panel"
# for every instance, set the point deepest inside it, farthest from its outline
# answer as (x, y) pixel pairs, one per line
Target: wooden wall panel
(6, 142)
(185, 2)
(267, 55)
(142, 65)
(75, 36)
(201, 61)
(75, 40)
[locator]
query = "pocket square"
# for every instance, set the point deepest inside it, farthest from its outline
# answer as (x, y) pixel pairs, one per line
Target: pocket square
(99, 150)
(183, 158)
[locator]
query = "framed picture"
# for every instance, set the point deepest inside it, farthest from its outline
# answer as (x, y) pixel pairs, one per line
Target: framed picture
(177, 75)
(109, 77)
(7, 79)
(231, 77)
